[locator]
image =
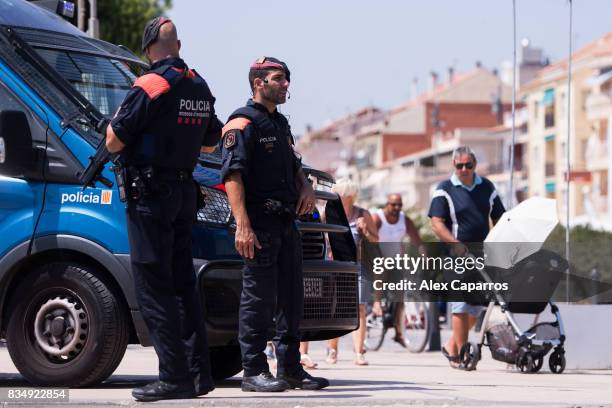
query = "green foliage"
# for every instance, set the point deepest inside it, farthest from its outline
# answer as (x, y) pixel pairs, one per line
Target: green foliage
(423, 225)
(589, 249)
(122, 21)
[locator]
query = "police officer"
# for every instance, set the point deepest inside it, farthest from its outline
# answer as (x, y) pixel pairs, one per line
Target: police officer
(267, 190)
(159, 129)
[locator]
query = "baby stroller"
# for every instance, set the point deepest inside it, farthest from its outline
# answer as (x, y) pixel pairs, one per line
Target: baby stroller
(507, 341)
(514, 255)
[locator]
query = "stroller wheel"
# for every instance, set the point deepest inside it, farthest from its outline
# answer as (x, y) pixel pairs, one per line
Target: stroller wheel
(469, 356)
(556, 362)
(526, 364)
(538, 363)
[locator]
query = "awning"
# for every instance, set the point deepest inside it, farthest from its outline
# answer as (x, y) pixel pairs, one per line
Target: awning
(600, 79)
(550, 187)
(550, 137)
(549, 97)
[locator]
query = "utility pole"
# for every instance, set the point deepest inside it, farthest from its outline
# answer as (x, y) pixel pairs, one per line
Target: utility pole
(94, 29)
(81, 15)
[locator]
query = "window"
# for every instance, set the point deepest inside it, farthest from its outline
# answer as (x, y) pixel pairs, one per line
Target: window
(8, 101)
(549, 108)
(61, 165)
(103, 81)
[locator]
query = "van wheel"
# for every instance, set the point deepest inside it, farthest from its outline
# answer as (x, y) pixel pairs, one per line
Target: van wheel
(66, 327)
(225, 362)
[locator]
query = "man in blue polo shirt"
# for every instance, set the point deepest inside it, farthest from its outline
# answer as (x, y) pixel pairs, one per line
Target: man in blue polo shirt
(461, 210)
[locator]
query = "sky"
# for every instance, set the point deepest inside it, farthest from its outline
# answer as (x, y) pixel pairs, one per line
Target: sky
(345, 55)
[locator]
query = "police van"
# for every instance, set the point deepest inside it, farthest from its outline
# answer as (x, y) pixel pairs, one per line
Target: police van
(67, 303)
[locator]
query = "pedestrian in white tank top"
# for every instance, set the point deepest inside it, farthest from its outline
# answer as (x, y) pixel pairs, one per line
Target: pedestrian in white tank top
(391, 233)
(393, 226)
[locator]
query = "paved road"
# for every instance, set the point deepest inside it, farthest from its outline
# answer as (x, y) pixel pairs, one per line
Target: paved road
(395, 378)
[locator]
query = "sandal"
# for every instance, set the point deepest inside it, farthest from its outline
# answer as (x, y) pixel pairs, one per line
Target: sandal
(454, 361)
(360, 360)
(307, 362)
(332, 356)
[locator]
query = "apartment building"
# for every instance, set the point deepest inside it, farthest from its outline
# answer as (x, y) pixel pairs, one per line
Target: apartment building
(590, 108)
(462, 104)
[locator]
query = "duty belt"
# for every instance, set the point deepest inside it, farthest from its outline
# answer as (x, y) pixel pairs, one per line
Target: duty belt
(144, 181)
(276, 207)
(166, 174)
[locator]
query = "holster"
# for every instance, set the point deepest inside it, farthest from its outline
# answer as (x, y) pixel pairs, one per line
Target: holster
(120, 178)
(137, 187)
(276, 207)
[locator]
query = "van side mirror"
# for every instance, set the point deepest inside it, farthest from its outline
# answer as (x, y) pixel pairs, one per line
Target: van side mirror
(18, 157)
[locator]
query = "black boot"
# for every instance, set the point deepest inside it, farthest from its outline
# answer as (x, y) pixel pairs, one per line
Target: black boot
(160, 390)
(264, 382)
(203, 387)
(304, 381)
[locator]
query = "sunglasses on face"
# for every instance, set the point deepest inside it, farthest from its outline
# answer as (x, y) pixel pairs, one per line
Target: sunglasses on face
(395, 205)
(468, 165)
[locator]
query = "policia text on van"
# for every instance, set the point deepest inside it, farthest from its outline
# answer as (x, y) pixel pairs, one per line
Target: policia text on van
(67, 304)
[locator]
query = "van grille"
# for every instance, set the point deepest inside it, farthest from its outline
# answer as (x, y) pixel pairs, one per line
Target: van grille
(328, 296)
(337, 299)
(313, 245)
(217, 209)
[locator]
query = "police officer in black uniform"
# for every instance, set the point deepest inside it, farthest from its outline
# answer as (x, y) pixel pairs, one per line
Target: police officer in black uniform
(159, 130)
(267, 190)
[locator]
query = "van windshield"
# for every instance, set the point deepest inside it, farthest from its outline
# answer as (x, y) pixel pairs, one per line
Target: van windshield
(102, 80)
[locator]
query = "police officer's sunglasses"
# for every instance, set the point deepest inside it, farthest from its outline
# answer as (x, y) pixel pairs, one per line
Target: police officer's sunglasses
(468, 165)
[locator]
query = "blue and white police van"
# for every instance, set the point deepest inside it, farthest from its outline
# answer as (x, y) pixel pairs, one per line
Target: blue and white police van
(67, 304)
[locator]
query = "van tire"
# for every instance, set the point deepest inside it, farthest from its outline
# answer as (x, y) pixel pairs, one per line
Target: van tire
(225, 362)
(66, 327)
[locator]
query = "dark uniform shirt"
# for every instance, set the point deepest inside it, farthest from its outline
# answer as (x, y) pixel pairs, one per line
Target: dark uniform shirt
(156, 112)
(266, 160)
(466, 211)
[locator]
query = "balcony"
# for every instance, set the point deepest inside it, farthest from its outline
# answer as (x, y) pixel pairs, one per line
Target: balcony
(596, 154)
(598, 106)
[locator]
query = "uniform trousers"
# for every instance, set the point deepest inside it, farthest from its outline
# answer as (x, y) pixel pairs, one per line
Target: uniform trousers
(272, 294)
(159, 230)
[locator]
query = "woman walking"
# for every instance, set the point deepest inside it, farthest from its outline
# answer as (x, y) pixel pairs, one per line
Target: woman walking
(362, 228)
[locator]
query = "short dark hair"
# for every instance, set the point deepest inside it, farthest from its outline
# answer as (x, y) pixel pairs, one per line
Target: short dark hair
(262, 67)
(257, 73)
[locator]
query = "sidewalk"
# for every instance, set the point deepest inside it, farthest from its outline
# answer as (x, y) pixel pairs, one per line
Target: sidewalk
(394, 378)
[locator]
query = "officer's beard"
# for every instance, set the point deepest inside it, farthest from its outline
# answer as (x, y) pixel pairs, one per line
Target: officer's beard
(274, 95)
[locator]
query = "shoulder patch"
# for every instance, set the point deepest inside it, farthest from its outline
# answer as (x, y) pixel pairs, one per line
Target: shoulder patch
(229, 139)
(153, 84)
(236, 123)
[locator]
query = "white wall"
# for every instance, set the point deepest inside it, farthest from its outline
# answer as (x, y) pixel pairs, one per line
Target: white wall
(588, 331)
